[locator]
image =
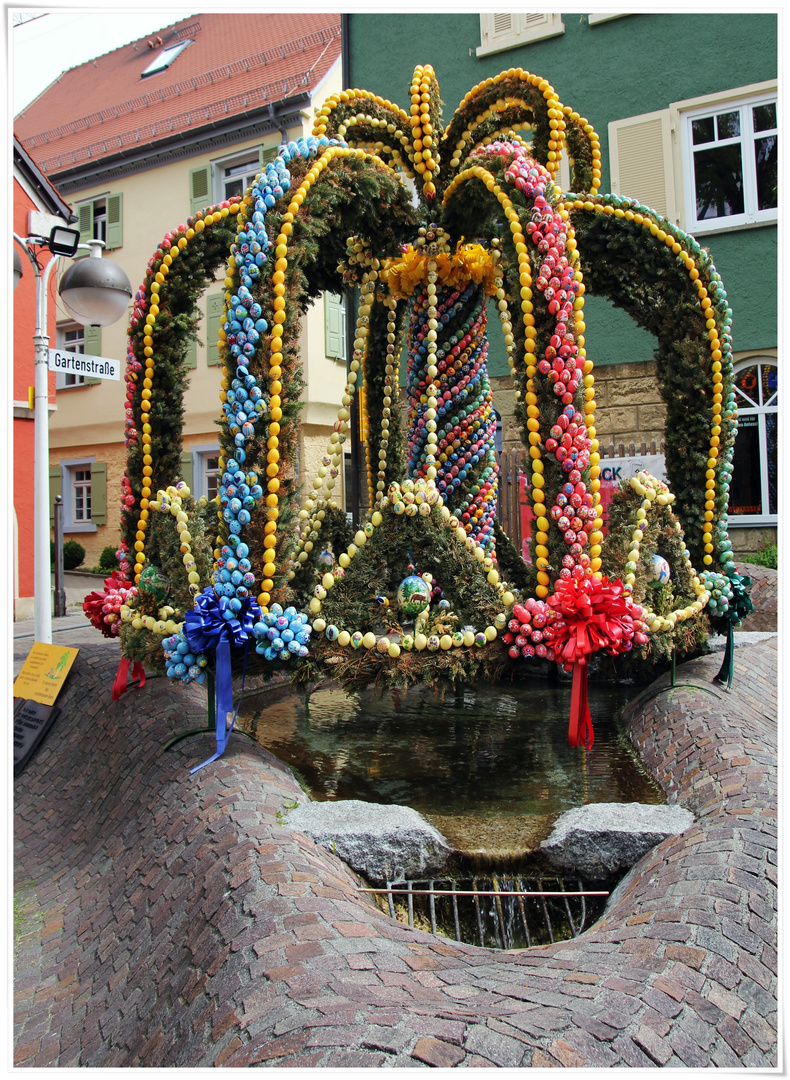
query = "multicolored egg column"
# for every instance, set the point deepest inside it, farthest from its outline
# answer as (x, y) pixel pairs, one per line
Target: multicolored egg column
(449, 396)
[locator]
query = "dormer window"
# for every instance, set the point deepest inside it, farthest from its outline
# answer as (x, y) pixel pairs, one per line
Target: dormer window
(165, 58)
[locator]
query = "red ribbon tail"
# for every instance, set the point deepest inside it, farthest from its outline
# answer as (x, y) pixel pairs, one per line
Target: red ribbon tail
(580, 729)
(138, 672)
(119, 686)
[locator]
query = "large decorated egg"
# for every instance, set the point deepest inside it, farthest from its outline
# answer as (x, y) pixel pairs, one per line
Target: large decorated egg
(660, 571)
(414, 595)
(152, 583)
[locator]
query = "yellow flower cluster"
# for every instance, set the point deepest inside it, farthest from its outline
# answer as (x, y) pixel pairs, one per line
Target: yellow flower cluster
(470, 262)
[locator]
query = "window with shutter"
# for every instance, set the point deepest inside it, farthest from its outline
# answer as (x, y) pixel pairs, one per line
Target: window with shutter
(707, 164)
(101, 218)
(187, 469)
(85, 221)
(234, 175)
(83, 485)
(214, 306)
(92, 347)
(114, 205)
(506, 30)
(334, 326)
(641, 161)
(190, 360)
(98, 479)
(199, 197)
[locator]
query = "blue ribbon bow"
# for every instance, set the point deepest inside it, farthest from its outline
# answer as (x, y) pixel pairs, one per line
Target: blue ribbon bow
(213, 626)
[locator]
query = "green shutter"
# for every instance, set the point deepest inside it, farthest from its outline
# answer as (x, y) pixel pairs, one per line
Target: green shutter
(214, 307)
(114, 221)
(55, 488)
(199, 196)
(85, 223)
(268, 155)
(187, 470)
(99, 493)
(191, 355)
(92, 347)
(333, 326)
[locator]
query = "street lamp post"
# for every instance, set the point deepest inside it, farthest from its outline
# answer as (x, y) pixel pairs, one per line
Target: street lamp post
(103, 297)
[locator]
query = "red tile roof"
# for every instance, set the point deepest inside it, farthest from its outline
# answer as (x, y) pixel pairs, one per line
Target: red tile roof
(236, 63)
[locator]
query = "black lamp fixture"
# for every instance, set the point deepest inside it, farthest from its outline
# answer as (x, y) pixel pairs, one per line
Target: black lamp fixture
(63, 241)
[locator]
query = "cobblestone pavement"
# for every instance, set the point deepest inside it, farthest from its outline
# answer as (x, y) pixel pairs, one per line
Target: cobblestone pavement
(165, 919)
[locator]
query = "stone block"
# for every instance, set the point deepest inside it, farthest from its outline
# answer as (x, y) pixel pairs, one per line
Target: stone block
(602, 838)
(382, 842)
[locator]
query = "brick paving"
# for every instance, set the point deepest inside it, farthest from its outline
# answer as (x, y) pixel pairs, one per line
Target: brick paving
(170, 920)
(764, 595)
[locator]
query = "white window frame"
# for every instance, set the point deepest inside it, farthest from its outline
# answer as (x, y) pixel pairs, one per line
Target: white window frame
(651, 145)
(605, 16)
(761, 411)
(507, 30)
(200, 457)
(61, 377)
(250, 157)
(683, 113)
(69, 468)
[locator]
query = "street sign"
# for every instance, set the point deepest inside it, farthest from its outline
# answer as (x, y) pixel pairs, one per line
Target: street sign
(96, 367)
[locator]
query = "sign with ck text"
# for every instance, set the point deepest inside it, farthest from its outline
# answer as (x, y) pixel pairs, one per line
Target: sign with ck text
(96, 367)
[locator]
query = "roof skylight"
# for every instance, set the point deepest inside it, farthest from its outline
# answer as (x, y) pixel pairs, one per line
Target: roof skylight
(165, 58)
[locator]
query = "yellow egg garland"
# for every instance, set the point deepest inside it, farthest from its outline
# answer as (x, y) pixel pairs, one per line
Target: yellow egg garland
(677, 242)
(151, 312)
(418, 500)
(656, 495)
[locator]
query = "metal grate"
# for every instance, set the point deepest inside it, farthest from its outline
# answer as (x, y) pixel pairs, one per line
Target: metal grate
(499, 911)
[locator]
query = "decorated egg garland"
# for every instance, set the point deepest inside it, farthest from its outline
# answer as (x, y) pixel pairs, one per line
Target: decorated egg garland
(478, 160)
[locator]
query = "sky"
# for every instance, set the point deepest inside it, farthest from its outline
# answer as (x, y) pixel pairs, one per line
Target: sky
(44, 47)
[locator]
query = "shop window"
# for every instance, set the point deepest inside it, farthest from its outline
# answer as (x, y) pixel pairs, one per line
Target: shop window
(753, 491)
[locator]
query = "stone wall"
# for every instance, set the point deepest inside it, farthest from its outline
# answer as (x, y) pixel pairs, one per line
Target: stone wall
(629, 403)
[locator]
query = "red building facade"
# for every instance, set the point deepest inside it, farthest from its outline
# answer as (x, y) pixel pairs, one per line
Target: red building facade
(32, 191)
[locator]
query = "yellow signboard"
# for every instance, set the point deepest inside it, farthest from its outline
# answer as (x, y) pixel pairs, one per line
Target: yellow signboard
(44, 672)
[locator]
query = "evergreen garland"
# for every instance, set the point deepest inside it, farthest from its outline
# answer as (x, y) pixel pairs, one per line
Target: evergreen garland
(174, 327)
(652, 284)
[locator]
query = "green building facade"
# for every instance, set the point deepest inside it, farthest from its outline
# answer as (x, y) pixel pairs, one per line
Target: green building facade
(685, 108)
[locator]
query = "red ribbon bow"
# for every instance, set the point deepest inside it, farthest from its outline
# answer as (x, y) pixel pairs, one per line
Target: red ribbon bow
(591, 614)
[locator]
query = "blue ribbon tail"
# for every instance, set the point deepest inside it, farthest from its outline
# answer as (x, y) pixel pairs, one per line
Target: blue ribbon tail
(224, 693)
(224, 701)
